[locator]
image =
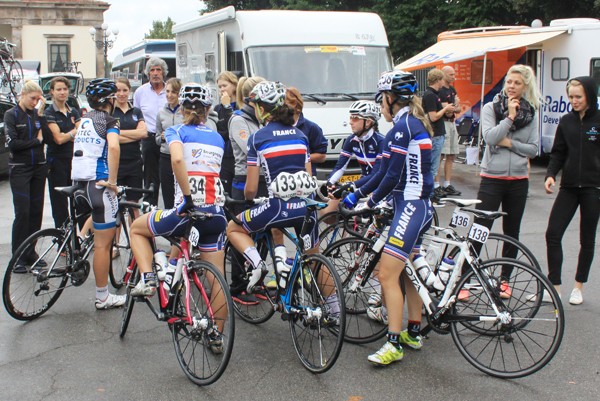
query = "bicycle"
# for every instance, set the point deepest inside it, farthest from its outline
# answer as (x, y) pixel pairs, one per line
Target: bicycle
(491, 331)
(197, 308)
(73, 67)
(56, 255)
(11, 72)
(317, 331)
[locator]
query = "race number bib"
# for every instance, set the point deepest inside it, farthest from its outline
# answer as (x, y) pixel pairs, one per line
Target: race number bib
(287, 185)
(194, 236)
(206, 190)
(459, 219)
(479, 233)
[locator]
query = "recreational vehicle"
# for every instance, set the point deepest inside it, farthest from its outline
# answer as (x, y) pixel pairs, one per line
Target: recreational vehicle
(333, 58)
(481, 57)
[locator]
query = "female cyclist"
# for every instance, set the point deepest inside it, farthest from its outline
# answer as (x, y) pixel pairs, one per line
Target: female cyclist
(405, 172)
(61, 126)
(196, 156)
(95, 166)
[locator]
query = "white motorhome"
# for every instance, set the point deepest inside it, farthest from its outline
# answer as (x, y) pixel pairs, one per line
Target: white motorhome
(565, 49)
(333, 58)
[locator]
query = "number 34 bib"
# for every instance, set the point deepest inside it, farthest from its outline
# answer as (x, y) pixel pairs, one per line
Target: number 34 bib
(206, 190)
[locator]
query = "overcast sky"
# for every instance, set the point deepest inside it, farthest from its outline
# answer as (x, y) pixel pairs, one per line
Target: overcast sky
(134, 18)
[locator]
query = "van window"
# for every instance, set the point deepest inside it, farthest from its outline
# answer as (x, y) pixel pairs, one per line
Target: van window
(235, 62)
(595, 71)
(477, 71)
(560, 69)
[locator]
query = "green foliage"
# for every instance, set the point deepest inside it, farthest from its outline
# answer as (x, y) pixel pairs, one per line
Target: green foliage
(161, 30)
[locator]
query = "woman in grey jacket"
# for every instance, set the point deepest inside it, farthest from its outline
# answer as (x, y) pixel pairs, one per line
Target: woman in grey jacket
(510, 129)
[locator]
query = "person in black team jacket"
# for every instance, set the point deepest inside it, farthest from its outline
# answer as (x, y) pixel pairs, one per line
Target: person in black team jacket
(59, 133)
(27, 168)
(576, 151)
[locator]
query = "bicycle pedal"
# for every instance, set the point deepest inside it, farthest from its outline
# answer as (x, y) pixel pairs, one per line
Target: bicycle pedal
(285, 316)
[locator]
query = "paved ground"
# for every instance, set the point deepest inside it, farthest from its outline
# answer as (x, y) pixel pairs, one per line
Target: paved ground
(74, 352)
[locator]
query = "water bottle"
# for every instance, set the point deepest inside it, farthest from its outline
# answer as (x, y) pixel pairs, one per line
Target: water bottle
(167, 275)
(160, 261)
(427, 275)
(283, 269)
(176, 274)
(445, 270)
(432, 253)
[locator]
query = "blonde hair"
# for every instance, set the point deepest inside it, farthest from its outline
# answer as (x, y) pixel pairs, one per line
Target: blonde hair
(33, 87)
(195, 116)
(229, 77)
(244, 87)
(416, 109)
(532, 93)
(434, 75)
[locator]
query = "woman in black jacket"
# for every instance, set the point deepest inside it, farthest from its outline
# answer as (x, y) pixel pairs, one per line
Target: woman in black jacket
(27, 168)
(576, 151)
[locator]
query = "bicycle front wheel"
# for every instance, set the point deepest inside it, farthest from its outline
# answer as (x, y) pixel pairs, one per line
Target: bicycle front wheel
(31, 288)
(203, 341)
(349, 256)
(317, 313)
(528, 332)
(15, 77)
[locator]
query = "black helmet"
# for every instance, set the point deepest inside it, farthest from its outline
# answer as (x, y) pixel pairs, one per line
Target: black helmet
(191, 95)
(401, 83)
(100, 89)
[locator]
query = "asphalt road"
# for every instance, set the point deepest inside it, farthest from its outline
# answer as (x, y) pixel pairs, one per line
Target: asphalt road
(73, 352)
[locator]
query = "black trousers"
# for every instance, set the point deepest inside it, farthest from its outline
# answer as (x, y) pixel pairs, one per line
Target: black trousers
(59, 175)
(564, 208)
(151, 156)
(27, 184)
(168, 181)
(131, 175)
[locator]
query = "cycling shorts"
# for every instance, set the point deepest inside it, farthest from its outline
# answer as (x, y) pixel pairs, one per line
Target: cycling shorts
(168, 223)
(277, 213)
(104, 204)
(412, 218)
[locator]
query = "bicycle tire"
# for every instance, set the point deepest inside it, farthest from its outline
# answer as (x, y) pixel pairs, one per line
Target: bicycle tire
(263, 310)
(129, 301)
(15, 77)
(501, 349)
(29, 295)
(119, 264)
(329, 233)
(348, 257)
(327, 328)
(192, 342)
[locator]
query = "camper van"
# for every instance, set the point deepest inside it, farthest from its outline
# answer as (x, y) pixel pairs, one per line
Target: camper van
(565, 49)
(333, 58)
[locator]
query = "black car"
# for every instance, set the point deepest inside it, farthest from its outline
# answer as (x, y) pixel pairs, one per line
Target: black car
(5, 104)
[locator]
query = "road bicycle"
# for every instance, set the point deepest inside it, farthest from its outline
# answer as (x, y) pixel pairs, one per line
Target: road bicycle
(197, 307)
(504, 336)
(312, 300)
(56, 258)
(11, 72)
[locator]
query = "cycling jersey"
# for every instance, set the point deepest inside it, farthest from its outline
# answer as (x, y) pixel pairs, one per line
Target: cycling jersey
(90, 150)
(278, 148)
(203, 151)
(406, 162)
(367, 150)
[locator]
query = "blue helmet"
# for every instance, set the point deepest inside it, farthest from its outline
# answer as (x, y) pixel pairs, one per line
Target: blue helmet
(100, 89)
(401, 83)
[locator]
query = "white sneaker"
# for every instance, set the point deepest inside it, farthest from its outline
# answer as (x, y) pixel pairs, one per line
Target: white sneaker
(374, 300)
(576, 297)
(377, 314)
(545, 297)
(112, 301)
(255, 276)
(143, 289)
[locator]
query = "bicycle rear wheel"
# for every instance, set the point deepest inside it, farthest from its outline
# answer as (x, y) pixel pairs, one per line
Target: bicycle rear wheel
(15, 77)
(260, 310)
(317, 313)
(530, 332)
(121, 254)
(204, 347)
(348, 257)
(130, 301)
(27, 294)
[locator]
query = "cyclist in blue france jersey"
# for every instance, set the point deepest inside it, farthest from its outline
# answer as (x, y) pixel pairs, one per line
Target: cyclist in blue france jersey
(95, 167)
(279, 149)
(405, 172)
(196, 157)
(365, 144)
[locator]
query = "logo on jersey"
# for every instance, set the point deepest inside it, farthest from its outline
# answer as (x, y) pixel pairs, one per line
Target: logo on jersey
(403, 221)
(196, 152)
(398, 135)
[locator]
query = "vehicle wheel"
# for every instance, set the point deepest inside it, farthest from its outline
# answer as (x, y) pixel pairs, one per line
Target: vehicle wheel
(317, 313)
(348, 257)
(30, 293)
(204, 340)
(531, 332)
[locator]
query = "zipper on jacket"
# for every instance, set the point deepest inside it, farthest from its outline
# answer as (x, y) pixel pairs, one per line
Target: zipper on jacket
(580, 151)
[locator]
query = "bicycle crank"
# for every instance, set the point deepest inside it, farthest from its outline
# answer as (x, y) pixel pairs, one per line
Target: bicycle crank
(81, 271)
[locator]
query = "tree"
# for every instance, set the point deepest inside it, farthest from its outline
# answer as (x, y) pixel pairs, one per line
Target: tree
(161, 30)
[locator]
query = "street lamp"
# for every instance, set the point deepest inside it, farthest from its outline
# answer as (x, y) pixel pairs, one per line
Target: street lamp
(106, 41)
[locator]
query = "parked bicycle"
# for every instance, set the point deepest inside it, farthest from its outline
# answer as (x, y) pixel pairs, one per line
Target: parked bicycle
(11, 72)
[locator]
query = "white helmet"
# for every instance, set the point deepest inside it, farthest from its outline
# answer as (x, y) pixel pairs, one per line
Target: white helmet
(191, 95)
(366, 109)
(268, 92)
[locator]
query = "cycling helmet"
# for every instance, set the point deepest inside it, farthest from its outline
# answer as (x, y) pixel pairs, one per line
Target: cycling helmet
(402, 84)
(268, 92)
(100, 89)
(193, 95)
(365, 109)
